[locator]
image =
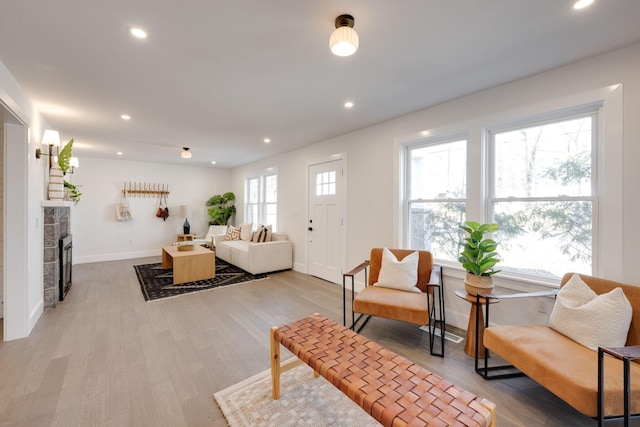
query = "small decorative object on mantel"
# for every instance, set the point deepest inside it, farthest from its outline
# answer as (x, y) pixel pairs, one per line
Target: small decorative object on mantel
(479, 257)
(56, 183)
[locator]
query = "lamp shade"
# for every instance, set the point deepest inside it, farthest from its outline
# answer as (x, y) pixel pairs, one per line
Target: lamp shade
(51, 137)
(185, 211)
(185, 154)
(344, 41)
(74, 162)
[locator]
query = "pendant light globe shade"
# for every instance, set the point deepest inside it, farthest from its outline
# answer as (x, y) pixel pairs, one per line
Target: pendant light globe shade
(344, 39)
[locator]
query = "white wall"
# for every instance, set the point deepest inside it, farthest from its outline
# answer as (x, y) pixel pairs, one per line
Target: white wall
(98, 236)
(23, 231)
(370, 169)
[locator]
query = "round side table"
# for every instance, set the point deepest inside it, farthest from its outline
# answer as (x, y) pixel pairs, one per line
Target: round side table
(470, 341)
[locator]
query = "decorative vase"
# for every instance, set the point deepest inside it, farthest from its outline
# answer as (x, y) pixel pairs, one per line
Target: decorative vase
(186, 227)
(56, 183)
(478, 284)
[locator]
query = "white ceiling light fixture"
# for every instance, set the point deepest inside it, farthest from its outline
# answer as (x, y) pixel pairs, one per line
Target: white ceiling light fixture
(125, 117)
(344, 39)
(138, 33)
(267, 140)
(186, 154)
(348, 104)
(581, 4)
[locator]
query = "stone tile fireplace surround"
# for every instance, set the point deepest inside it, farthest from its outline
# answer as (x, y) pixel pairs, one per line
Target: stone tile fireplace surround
(56, 225)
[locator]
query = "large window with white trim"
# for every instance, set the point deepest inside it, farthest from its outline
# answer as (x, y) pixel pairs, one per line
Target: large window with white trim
(536, 177)
(261, 201)
(542, 193)
(436, 195)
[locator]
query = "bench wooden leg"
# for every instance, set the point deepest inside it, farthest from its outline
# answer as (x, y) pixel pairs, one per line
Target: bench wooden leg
(277, 367)
(275, 364)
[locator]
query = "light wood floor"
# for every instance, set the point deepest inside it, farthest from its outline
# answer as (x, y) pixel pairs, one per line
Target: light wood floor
(105, 357)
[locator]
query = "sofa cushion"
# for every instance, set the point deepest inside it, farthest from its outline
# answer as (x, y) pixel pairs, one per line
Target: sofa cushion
(566, 368)
(262, 234)
(233, 233)
(398, 274)
(590, 319)
(246, 230)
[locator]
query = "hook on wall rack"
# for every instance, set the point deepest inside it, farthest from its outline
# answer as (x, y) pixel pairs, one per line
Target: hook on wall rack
(145, 189)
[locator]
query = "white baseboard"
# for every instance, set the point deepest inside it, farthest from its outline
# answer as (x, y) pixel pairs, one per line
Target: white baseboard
(116, 256)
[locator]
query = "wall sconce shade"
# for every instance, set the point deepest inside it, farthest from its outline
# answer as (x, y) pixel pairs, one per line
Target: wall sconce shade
(74, 162)
(51, 137)
(344, 40)
(186, 154)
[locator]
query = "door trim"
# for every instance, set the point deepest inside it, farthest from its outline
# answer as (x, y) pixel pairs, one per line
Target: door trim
(343, 201)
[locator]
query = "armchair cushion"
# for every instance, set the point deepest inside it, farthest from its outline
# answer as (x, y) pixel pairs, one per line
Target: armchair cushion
(398, 274)
(590, 319)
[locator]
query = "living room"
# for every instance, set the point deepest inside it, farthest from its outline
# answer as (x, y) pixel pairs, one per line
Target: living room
(371, 156)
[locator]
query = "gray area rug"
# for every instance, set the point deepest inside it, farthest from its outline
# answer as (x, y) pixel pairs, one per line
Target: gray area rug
(304, 401)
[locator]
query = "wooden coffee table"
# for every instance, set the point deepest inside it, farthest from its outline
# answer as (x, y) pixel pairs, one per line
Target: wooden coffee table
(189, 266)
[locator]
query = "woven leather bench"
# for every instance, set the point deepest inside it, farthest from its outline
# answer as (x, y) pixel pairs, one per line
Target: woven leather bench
(392, 389)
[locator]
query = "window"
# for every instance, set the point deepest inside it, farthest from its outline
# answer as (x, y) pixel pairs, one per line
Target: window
(542, 195)
(262, 200)
(436, 196)
(539, 185)
(326, 183)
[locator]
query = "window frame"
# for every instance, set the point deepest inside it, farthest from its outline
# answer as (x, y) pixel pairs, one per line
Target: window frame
(408, 167)
(262, 203)
(608, 256)
(590, 110)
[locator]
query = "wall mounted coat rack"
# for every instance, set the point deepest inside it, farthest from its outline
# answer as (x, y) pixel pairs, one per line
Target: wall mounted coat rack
(145, 189)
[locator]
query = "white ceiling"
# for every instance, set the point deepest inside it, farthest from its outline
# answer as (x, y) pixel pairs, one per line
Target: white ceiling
(220, 76)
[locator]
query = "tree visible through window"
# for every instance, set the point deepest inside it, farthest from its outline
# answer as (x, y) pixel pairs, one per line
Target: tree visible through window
(436, 196)
(540, 189)
(543, 196)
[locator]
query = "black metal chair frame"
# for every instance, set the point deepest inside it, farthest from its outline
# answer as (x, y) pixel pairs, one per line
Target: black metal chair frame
(436, 319)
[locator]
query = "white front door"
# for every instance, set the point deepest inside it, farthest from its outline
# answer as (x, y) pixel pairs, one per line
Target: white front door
(326, 229)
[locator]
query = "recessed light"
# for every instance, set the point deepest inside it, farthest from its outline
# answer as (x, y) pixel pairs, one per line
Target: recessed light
(125, 117)
(213, 162)
(581, 4)
(348, 104)
(119, 153)
(267, 140)
(139, 33)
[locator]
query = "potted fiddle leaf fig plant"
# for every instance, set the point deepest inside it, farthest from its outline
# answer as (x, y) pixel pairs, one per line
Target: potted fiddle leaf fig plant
(479, 257)
(220, 208)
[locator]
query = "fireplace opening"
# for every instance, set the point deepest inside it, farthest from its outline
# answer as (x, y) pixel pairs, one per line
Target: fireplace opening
(65, 246)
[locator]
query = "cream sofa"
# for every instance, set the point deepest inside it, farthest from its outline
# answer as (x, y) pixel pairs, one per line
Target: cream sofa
(257, 258)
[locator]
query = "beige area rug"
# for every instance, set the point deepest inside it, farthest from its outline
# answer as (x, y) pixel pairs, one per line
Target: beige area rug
(304, 401)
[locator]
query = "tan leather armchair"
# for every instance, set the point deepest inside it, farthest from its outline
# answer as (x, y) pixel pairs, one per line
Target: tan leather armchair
(424, 308)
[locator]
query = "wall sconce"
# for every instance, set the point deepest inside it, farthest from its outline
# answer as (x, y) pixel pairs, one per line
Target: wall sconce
(186, 154)
(52, 139)
(74, 163)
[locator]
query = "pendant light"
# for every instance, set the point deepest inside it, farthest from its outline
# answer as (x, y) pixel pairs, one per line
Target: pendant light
(344, 39)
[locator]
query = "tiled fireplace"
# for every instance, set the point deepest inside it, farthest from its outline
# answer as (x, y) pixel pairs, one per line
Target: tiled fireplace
(56, 227)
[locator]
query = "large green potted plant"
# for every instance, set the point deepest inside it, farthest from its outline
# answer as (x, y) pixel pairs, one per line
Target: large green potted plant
(479, 257)
(220, 208)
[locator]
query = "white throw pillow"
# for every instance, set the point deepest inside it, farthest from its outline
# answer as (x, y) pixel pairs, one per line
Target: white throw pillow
(401, 275)
(246, 231)
(590, 319)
